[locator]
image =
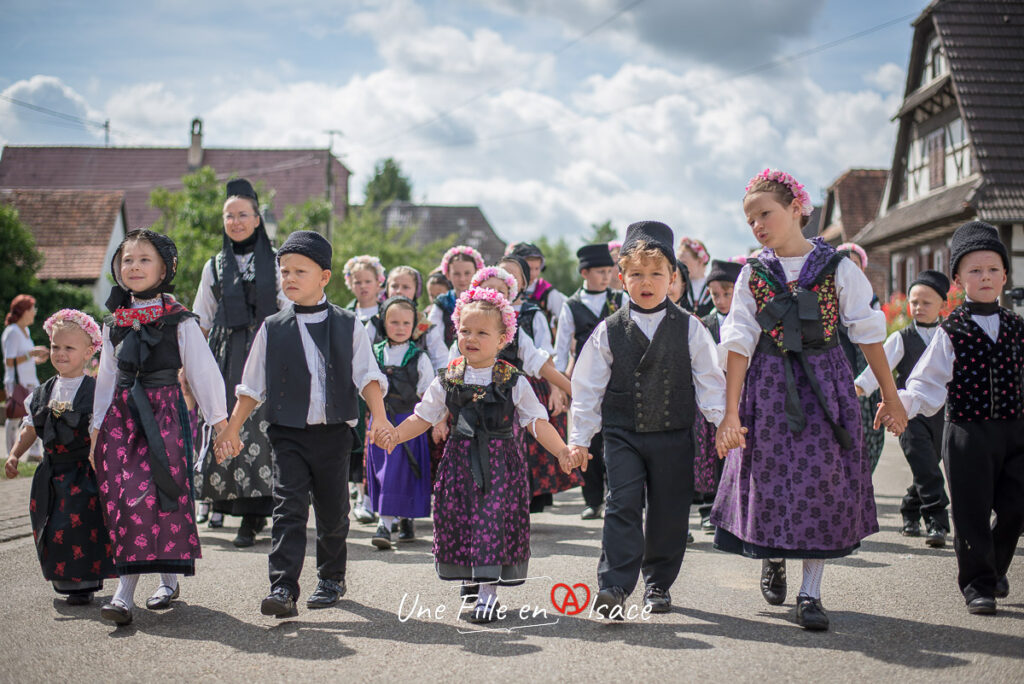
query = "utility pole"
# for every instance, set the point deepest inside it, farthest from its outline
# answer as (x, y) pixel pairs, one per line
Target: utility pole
(106, 133)
(329, 194)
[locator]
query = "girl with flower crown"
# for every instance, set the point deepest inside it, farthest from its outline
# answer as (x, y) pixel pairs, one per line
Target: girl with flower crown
(457, 265)
(693, 255)
(72, 541)
(800, 488)
(481, 496)
(141, 434)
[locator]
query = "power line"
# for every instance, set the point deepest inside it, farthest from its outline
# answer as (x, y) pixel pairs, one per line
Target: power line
(101, 125)
(501, 86)
(765, 66)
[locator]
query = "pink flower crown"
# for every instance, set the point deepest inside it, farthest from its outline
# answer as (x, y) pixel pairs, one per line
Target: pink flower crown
(358, 263)
(483, 294)
(774, 175)
(856, 249)
(478, 260)
(83, 320)
(614, 244)
(485, 274)
(698, 248)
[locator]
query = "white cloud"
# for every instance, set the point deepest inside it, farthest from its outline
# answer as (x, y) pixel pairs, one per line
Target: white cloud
(889, 78)
(20, 124)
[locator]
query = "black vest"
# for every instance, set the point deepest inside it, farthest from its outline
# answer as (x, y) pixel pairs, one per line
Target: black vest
(988, 377)
(913, 348)
(69, 428)
(402, 382)
(651, 385)
(583, 319)
(288, 378)
(714, 327)
(155, 343)
(492, 406)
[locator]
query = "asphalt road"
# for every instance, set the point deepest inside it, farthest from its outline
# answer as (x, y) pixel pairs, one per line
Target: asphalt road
(896, 616)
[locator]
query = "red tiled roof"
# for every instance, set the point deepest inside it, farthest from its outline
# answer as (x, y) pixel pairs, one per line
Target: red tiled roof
(435, 222)
(71, 228)
(858, 192)
(292, 175)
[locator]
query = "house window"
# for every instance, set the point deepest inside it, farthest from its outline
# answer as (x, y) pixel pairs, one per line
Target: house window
(914, 171)
(935, 146)
(896, 273)
(909, 272)
(939, 260)
(959, 162)
(935, 63)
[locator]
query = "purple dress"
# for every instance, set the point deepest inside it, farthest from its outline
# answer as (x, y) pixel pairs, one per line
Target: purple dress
(399, 483)
(145, 490)
(482, 492)
(802, 486)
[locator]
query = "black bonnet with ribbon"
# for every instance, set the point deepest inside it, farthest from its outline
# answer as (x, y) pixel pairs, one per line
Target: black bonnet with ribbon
(120, 295)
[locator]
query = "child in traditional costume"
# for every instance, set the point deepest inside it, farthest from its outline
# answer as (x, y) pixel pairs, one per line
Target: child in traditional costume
(801, 486)
(481, 496)
(72, 541)
(975, 366)
(142, 438)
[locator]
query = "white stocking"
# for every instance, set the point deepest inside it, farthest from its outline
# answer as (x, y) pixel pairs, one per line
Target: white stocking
(125, 593)
(813, 570)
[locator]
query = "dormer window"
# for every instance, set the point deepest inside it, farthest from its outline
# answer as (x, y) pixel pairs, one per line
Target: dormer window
(935, 63)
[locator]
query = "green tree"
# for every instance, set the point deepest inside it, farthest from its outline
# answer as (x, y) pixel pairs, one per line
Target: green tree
(192, 218)
(22, 260)
(602, 232)
(388, 184)
(560, 266)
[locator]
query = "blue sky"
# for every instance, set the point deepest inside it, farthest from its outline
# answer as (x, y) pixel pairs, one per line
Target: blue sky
(649, 116)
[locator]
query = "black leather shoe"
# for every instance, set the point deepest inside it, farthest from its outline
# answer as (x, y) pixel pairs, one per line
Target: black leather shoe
(216, 521)
(1002, 587)
(591, 513)
(983, 605)
(116, 613)
(406, 530)
(382, 538)
(484, 613)
(658, 599)
(706, 526)
(911, 528)
(773, 582)
(810, 614)
(936, 537)
(84, 598)
(689, 537)
(279, 603)
(163, 601)
(327, 593)
(608, 600)
(244, 539)
(203, 514)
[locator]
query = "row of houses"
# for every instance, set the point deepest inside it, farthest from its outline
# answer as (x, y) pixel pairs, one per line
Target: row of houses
(80, 201)
(959, 150)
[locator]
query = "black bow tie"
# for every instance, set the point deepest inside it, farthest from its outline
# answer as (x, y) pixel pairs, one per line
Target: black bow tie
(982, 308)
(639, 309)
(316, 308)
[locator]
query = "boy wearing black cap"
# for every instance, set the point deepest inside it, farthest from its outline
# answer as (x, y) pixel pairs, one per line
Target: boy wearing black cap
(539, 291)
(308, 362)
(640, 378)
(580, 314)
(975, 365)
(922, 440)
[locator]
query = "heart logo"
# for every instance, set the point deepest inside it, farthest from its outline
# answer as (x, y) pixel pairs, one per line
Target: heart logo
(570, 601)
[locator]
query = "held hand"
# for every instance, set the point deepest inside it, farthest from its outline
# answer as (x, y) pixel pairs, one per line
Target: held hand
(858, 390)
(580, 457)
(227, 445)
(730, 435)
(11, 467)
(893, 416)
(557, 402)
(440, 432)
(565, 460)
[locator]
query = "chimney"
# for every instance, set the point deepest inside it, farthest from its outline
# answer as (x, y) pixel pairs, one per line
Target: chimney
(195, 150)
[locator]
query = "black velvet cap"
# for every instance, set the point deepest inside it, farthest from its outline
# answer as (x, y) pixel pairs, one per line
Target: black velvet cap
(725, 271)
(240, 187)
(975, 236)
(309, 244)
(936, 280)
(594, 256)
(654, 233)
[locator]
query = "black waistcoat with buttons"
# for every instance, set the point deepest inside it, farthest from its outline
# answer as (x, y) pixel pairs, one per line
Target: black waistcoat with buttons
(651, 385)
(988, 377)
(584, 320)
(288, 377)
(913, 349)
